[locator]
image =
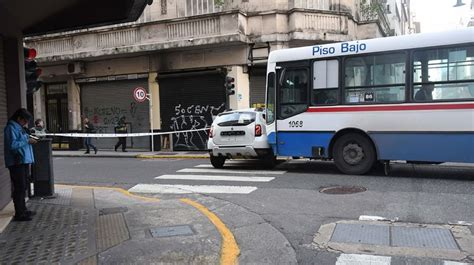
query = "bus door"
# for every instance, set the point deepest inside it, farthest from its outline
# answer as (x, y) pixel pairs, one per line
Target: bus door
(293, 80)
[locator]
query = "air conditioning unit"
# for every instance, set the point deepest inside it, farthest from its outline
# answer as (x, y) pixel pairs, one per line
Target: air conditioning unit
(74, 68)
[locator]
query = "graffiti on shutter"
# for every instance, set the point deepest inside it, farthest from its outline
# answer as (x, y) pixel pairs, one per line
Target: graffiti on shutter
(191, 118)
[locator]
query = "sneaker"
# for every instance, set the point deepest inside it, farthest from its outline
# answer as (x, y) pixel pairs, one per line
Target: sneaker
(22, 218)
(124, 151)
(95, 150)
(115, 148)
(87, 152)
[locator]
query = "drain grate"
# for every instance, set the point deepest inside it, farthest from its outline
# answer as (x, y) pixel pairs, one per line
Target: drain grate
(361, 234)
(394, 236)
(342, 190)
(179, 230)
(423, 238)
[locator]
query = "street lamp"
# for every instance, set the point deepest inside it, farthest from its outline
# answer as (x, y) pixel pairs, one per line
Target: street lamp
(459, 3)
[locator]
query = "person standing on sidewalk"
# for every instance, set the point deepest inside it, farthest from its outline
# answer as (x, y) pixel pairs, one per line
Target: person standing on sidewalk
(18, 158)
(89, 128)
(121, 127)
(39, 130)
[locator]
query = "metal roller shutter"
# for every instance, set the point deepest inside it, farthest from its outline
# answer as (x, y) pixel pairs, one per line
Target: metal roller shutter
(257, 86)
(189, 102)
(105, 102)
(5, 189)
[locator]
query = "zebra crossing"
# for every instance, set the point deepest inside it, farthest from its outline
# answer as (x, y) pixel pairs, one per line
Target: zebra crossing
(233, 172)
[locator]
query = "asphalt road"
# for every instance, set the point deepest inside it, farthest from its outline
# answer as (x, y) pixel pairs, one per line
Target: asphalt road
(292, 202)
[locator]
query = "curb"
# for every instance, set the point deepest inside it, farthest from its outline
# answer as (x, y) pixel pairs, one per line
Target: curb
(137, 156)
(173, 156)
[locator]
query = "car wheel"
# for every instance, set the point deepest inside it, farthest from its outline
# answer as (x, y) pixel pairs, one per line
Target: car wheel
(354, 154)
(217, 161)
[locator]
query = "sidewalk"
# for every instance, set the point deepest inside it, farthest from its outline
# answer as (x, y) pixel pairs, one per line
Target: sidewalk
(134, 154)
(86, 225)
(104, 225)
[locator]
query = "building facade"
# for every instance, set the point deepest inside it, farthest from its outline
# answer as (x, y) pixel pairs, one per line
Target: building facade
(180, 51)
(33, 18)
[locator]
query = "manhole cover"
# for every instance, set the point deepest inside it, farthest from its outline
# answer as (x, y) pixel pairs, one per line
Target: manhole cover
(342, 189)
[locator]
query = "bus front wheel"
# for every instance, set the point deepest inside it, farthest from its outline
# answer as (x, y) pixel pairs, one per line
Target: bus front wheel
(354, 154)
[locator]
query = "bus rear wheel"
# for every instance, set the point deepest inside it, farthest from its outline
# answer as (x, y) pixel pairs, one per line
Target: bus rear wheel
(354, 154)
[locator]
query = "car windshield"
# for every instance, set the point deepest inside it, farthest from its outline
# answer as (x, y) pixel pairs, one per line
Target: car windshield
(235, 119)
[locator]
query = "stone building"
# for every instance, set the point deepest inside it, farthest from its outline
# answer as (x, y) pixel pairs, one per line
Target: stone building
(180, 51)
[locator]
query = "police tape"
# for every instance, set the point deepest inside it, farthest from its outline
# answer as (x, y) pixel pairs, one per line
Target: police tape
(114, 135)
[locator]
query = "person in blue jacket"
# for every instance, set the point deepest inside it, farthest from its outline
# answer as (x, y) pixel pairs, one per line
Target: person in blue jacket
(18, 157)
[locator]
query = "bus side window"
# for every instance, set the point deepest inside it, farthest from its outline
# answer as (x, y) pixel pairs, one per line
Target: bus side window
(447, 72)
(293, 92)
(325, 82)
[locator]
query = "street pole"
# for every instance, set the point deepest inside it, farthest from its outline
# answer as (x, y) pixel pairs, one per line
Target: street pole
(151, 122)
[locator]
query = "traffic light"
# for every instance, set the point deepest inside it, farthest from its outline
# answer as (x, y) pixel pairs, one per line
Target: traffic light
(32, 72)
(229, 85)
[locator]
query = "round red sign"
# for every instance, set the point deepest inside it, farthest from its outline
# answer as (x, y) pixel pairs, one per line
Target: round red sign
(139, 94)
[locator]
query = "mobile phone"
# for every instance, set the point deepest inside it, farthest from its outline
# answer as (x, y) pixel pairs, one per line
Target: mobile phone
(34, 137)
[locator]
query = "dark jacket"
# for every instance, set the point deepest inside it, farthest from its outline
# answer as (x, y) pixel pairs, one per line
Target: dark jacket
(121, 127)
(90, 127)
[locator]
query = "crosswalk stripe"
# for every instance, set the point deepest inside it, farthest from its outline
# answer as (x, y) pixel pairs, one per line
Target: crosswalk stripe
(231, 165)
(186, 189)
(213, 170)
(216, 178)
(448, 262)
(356, 259)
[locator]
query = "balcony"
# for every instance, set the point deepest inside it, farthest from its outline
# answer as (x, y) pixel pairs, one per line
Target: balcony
(298, 26)
(159, 35)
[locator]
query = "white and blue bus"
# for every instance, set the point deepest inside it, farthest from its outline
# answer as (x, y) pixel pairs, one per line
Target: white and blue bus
(397, 98)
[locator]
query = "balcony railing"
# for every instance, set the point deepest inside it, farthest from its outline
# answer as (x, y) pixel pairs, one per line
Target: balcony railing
(169, 32)
(315, 21)
(194, 28)
(118, 38)
(53, 46)
(207, 29)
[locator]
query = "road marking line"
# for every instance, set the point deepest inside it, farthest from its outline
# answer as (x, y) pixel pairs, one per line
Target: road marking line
(356, 259)
(231, 165)
(448, 262)
(229, 249)
(211, 170)
(187, 189)
(216, 178)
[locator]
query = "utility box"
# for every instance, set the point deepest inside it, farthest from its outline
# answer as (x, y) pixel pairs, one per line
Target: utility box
(42, 169)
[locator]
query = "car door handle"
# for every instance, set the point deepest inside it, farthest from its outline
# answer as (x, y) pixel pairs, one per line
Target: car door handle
(282, 143)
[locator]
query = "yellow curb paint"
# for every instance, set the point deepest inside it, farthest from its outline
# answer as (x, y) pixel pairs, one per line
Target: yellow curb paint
(123, 191)
(229, 250)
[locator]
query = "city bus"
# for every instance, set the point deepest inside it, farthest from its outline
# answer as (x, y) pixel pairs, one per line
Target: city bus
(367, 102)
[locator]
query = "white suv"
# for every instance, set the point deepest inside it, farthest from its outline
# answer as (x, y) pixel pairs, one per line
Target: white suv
(239, 133)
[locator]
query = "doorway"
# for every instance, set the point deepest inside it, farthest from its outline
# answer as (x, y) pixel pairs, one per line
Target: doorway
(57, 113)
